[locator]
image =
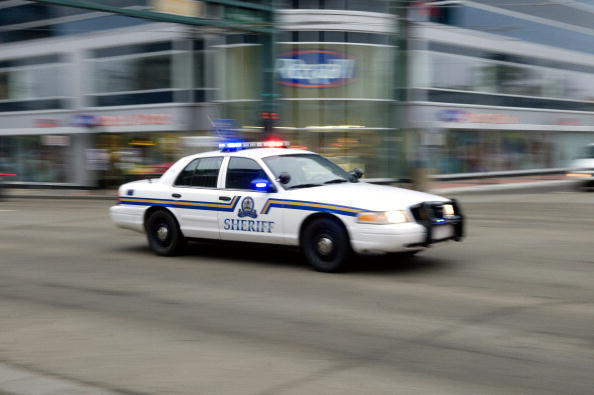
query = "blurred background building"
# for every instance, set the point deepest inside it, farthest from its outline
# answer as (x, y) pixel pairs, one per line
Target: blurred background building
(90, 98)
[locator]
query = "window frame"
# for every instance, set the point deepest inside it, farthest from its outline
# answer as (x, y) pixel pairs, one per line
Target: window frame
(259, 163)
(217, 184)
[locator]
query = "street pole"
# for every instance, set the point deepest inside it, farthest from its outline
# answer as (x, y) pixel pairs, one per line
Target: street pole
(419, 173)
(268, 106)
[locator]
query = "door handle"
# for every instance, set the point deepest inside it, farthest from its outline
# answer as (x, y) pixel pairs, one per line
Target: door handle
(224, 198)
(176, 195)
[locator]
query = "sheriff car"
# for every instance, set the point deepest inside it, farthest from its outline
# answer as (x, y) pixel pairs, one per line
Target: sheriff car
(267, 193)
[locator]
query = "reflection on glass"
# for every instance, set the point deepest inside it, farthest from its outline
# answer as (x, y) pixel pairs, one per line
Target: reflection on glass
(32, 83)
(132, 74)
(489, 76)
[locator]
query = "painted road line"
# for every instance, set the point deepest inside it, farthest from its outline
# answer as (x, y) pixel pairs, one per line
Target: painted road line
(19, 381)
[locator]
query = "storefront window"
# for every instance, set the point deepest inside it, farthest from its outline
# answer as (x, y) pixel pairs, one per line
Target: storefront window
(334, 99)
(130, 156)
(42, 159)
(486, 151)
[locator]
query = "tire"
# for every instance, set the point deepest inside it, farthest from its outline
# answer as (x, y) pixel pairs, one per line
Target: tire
(163, 234)
(326, 246)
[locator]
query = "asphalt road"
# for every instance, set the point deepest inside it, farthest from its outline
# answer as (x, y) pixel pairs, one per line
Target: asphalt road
(508, 311)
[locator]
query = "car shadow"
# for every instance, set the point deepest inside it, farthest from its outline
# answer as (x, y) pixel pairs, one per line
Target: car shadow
(245, 252)
(399, 264)
(274, 255)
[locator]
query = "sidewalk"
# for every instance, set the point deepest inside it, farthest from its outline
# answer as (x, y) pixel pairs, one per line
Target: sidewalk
(484, 185)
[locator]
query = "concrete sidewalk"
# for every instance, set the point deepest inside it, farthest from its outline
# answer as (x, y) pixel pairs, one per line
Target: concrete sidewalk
(510, 184)
(484, 185)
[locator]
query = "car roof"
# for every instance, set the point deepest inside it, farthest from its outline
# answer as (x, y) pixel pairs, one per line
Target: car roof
(253, 153)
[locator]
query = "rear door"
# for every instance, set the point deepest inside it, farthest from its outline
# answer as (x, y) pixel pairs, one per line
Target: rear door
(195, 196)
(246, 222)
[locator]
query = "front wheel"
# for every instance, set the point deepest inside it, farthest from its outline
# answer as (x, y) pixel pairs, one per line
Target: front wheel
(163, 234)
(326, 245)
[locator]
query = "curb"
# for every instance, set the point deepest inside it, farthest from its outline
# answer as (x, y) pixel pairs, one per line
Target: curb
(73, 197)
(515, 187)
(20, 381)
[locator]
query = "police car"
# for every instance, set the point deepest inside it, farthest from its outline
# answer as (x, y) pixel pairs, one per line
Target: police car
(268, 193)
(582, 169)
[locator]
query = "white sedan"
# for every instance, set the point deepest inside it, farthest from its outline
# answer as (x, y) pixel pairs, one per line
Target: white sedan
(582, 169)
(249, 192)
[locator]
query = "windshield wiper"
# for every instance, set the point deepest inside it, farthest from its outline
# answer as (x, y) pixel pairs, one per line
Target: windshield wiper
(304, 186)
(336, 181)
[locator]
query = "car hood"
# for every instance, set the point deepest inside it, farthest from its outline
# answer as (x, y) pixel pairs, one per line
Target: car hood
(363, 196)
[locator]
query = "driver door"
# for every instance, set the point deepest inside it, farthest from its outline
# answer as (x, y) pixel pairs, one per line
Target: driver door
(246, 222)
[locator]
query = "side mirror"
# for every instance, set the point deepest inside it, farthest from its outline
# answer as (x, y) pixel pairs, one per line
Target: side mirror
(357, 173)
(262, 185)
(284, 178)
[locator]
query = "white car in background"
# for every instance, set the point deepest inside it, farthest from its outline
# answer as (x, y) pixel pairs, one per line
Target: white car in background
(582, 169)
(267, 193)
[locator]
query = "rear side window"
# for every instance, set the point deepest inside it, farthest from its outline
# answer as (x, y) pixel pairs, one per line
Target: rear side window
(241, 172)
(202, 172)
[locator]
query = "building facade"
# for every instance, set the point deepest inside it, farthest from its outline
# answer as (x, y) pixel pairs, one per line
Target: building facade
(501, 88)
(89, 98)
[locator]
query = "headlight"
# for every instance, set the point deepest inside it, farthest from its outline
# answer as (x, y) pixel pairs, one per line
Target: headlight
(580, 174)
(383, 217)
(448, 210)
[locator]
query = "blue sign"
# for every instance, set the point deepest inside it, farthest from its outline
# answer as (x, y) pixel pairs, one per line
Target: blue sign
(314, 68)
(226, 129)
(84, 120)
(451, 115)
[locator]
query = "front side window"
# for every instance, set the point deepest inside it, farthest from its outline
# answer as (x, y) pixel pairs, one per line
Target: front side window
(241, 172)
(202, 172)
(307, 170)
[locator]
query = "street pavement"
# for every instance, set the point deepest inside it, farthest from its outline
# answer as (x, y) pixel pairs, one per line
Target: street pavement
(86, 308)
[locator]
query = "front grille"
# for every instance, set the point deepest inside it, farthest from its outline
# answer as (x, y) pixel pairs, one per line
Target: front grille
(437, 211)
(431, 216)
(427, 211)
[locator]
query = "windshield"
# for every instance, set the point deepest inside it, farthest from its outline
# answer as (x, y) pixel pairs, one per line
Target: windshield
(307, 170)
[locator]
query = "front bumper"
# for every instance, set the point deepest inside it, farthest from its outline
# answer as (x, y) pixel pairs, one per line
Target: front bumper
(426, 215)
(427, 230)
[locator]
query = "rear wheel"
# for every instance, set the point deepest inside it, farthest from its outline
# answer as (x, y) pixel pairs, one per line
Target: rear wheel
(163, 234)
(326, 246)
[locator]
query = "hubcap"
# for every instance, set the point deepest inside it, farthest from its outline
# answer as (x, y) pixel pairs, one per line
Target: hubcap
(162, 232)
(325, 245)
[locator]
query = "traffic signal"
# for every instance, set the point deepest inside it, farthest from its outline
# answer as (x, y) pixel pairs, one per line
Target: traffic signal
(268, 119)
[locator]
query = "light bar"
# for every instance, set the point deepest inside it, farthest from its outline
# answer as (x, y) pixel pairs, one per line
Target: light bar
(236, 146)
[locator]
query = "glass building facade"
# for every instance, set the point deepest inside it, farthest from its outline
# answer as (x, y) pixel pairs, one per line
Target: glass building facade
(89, 98)
(502, 86)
